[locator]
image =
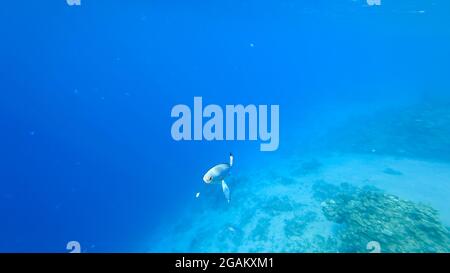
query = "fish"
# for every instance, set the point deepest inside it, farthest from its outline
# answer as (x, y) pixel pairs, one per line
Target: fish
(217, 174)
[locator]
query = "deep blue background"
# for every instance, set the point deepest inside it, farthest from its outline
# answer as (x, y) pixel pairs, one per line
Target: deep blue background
(86, 93)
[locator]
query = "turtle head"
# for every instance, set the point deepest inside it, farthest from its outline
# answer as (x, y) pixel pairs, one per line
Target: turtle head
(208, 177)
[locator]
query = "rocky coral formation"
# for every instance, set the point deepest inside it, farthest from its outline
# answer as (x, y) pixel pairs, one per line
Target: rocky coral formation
(296, 226)
(398, 225)
(273, 206)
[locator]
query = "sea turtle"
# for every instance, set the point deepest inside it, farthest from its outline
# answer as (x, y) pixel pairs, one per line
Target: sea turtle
(217, 174)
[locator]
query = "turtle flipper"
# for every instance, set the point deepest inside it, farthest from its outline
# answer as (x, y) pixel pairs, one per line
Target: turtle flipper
(226, 191)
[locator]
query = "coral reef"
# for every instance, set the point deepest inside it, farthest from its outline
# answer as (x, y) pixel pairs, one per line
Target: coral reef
(279, 212)
(398, 225)
(275, 205)
(297, 225)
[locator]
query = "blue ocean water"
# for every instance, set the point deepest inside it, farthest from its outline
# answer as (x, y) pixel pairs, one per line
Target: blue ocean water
(86, 96)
